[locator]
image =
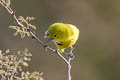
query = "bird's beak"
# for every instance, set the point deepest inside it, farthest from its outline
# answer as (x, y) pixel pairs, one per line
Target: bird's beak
(46, 34)
(50, 39)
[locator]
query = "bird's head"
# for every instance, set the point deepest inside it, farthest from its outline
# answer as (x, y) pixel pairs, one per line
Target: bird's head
(57, 32)
(50, 36)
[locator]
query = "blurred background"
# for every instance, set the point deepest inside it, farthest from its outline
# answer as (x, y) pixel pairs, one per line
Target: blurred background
(97, 50)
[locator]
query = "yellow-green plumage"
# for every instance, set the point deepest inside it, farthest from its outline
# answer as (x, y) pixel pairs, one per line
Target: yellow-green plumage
(66, 34)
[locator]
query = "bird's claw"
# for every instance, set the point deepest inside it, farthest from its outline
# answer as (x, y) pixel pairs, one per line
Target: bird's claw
(71, 55)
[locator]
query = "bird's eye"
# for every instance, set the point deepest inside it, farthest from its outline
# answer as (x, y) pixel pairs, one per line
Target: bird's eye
(54, 35)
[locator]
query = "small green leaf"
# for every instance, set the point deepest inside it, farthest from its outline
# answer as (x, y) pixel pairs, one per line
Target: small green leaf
(33, 26)
(25, 64)
(22, 34)
(7, 2)
(16, 33)
(29, 18)
(14, 27)
(7, 51)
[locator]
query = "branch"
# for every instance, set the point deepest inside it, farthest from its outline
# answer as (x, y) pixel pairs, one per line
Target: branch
(27, 28)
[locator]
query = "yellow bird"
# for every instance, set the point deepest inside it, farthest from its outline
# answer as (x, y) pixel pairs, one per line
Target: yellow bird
(63, 35)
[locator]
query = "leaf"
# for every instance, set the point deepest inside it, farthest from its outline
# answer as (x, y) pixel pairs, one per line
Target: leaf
(14, 27)
(25, 64)
(22, 34)
(28, 34)
(21, 19)
(7, 51)
(7, 2)
(1, 55)
(29, 18)
(19, 31)
(15, 34)
(33, 26)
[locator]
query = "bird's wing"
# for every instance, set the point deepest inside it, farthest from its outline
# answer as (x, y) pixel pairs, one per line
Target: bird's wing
(59, 43)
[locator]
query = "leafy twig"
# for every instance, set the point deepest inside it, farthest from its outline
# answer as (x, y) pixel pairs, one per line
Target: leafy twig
(26, 28)
(12, 64)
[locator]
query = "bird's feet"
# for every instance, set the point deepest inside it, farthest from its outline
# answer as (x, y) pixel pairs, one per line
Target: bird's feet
(70, 54)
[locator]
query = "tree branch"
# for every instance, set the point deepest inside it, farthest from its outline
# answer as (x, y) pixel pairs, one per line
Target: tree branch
(11, 12)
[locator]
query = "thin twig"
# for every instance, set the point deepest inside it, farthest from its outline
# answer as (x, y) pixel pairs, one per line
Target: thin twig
(67, 61)
(69, 70)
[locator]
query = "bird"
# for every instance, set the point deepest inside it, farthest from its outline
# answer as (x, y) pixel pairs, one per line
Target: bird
(63, 35)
